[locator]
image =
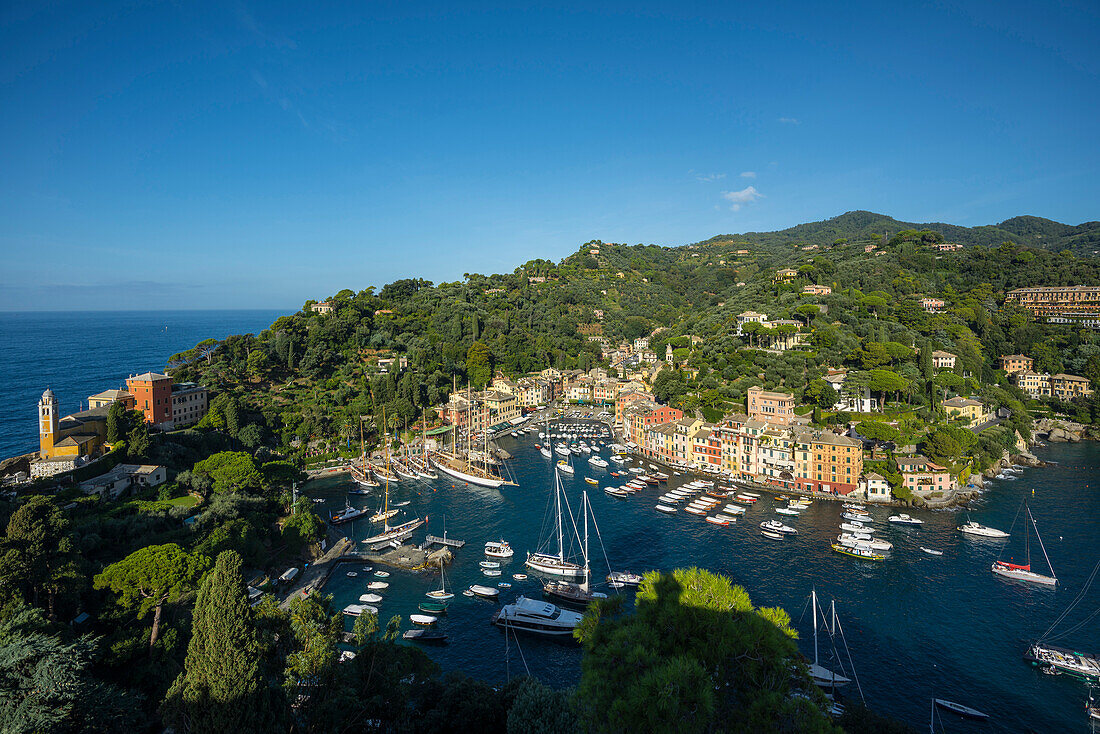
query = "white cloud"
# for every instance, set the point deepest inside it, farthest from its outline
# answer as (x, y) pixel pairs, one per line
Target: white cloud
(738, 199)
(748, 174)
(708, 177)
(790, 120)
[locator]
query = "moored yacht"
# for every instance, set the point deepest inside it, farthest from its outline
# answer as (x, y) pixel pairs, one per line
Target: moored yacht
(498, 549)
(540, 617)
(972, 528)
(903, 519)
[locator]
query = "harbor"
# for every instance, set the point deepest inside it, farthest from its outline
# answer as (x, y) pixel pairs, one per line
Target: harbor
(916, 622)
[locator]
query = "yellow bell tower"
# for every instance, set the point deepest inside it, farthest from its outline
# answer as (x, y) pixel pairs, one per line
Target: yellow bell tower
(47, 423)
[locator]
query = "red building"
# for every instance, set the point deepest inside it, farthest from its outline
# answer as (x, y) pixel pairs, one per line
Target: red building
(152, 396)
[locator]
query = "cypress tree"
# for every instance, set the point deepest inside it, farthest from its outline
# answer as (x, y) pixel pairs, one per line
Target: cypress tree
(116, 422)
(221, 688)
(232, 417)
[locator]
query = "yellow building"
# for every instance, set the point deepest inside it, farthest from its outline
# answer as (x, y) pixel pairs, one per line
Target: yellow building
(972, 411)
(71, 437)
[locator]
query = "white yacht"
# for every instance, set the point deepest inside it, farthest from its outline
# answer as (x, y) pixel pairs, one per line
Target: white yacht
(863, 540)
(973, 528)
(904, 519)
(777, 527)
(545, 452)
(540, 617)
(598, 461)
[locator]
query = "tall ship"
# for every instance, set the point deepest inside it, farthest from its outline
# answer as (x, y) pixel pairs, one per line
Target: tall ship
(467, 464)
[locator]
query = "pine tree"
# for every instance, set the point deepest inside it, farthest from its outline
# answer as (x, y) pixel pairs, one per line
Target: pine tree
(116, 422)
(138, 441)
(232, 417)
(221, 688)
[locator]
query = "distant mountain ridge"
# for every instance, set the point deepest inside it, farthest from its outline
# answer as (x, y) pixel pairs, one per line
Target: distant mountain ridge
(1082, 239)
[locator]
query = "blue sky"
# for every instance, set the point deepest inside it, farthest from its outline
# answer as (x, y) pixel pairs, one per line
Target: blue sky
(221, 155)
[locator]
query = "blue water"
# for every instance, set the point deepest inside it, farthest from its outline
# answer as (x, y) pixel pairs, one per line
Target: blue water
(918, 626)
(81, 354)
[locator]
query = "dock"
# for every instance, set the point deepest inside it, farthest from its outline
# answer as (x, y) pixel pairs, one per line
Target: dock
(436, 540)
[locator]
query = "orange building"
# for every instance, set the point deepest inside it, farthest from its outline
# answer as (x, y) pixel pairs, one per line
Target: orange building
(152, 393)
(774, 407)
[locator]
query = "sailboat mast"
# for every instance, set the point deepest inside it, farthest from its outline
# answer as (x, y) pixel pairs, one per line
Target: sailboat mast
(813, 597)
(584, 509)
(557, 500)
(1040, 539)
(389, 468)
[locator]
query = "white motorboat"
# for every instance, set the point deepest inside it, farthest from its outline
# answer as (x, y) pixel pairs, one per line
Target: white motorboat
(624, 577)
(598, 462)
(378, 585)
(665, 508)
(382, 574)
(565, 467)
(491, 571)
(424, 620)
(370, 598)
(498, 549)
(863, 540)
(777, 527)
(856, 527)
(973, 528)
(931, 551)
(561, 450)
(903, 519)
(540, 617)
(489, 564)
(354, 610)
(734, 509)
(786, 511)
(857, 517)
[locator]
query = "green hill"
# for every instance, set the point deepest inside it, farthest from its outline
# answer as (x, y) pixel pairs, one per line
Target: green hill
(863, 226)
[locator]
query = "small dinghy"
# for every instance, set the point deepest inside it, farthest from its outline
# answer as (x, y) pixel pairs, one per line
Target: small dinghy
(489, 564)
(382, 574)
(491, 571)
(504, 585)
(714, 520)
(786, 511)
(519, 576)
(487, 592)
(931, 551)
(353, 574)
(424, 620)
(468, 593)
(666, 508)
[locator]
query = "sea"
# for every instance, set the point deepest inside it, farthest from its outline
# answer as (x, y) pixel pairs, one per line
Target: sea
(916, 626)
(77, 354)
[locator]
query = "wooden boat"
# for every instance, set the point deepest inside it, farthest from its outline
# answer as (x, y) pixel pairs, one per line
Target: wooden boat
(488, 564)
(959, 710)
(695, 511)
(491, 571)
(714, 520)
(591, 481)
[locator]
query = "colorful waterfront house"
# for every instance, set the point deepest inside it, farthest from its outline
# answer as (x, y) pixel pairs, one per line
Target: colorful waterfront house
(875, 488)
(923, 476)
(827, 462)
(152, 393)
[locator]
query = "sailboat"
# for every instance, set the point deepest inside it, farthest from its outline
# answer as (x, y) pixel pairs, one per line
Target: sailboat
(1023, 572)
(570, 592)
(1056, 659)
(441, 594)
(821, 675)
(459, 466)
(555, 564)
(389, 534)
(384, 512)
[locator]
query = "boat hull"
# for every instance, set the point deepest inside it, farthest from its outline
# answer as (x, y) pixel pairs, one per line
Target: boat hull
(1016, 574)
(553, 566)
(490, 482)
